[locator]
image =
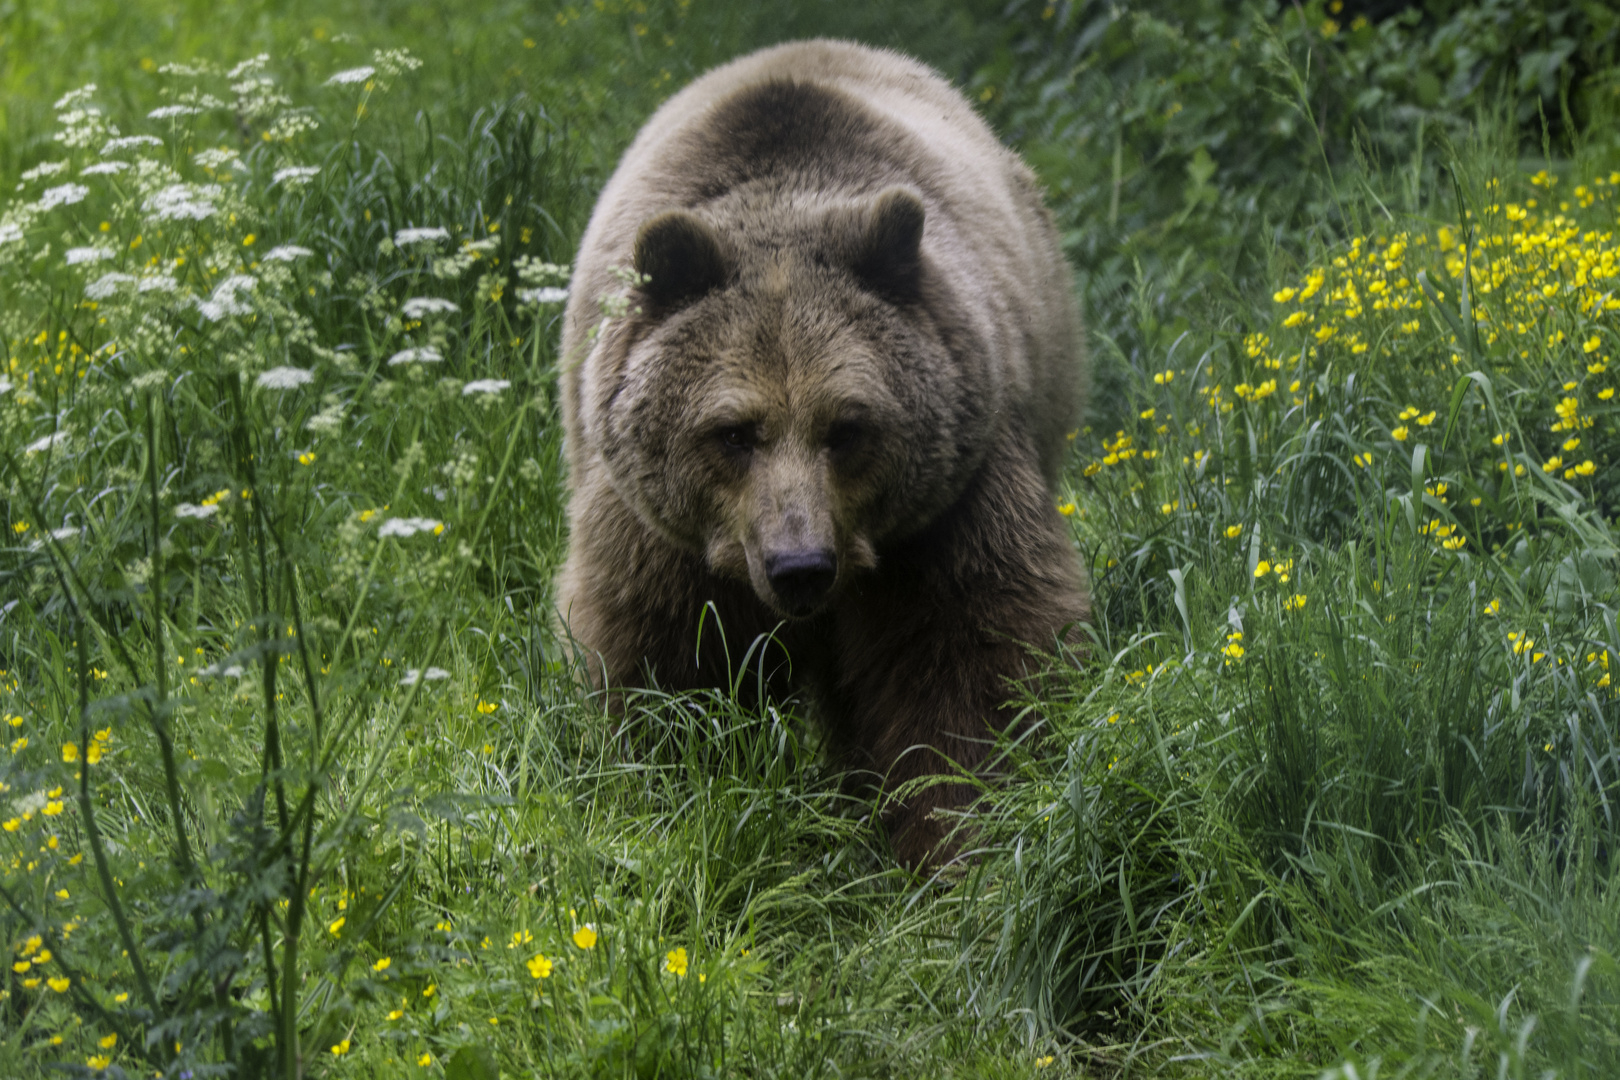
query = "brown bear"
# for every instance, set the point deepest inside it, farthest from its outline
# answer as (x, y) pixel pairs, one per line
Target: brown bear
(834, 410)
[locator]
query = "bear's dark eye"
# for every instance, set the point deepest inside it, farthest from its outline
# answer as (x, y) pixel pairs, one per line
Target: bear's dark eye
(845, 436)
(738, 438)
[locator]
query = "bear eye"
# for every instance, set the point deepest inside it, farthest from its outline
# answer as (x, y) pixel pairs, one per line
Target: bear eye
(845, 436)
(738, 438)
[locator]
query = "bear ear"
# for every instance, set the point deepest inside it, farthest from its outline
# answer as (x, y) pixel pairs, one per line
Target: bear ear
(888, 257)
(680, 256)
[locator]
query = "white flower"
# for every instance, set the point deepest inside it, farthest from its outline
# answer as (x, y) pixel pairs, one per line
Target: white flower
(352, 75)
(418, 306)
(190, 510)
(129, 142)
(5, 385)
(67, 532)
(232, 671)
(39, 446)
(65, 195)
(432, 674)
(427, 354)
(547, 295)
(77, 255)
(295, 175)
(107, 284)
(43, 169)
(179, 201)
(285, 378)
(75, 97)
(225, 302)
(10, 233)
(104, 168)
(420, 235)
(286, 253)
(406, 527)
(216, 158)
(157, 283)
(169, 112)
(485, 386)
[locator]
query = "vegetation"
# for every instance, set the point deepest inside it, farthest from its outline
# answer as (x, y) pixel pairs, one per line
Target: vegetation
(298, 777)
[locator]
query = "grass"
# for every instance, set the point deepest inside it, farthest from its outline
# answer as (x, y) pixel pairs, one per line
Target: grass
(300, 778)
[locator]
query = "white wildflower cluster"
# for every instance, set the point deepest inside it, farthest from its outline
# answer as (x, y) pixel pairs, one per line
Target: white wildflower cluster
(450, 267)
(217, 158)
(290, 125)
(258, 98)
(41, 171)
(352, 76)
(489, 387)
(295, 176)
(229, 298)
(287, 253)
(420, 306)
(285, 378)
(414, 675)
(424, 354)
(83, 123)
(184, 202)
(404, 528)
(420, 235)
(545, 281)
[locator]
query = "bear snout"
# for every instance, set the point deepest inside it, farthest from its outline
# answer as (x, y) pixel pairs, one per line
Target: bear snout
(801, 579)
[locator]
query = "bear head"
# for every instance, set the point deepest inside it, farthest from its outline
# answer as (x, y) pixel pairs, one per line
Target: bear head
(797, 385)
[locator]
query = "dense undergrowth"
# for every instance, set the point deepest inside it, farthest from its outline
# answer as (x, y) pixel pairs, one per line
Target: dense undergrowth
(297, 774)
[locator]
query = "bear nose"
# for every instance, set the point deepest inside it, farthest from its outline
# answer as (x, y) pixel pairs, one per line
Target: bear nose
(801, 578)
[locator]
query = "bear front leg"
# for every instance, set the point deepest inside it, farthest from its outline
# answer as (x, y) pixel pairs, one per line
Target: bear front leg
(940, 641)
(634, 603)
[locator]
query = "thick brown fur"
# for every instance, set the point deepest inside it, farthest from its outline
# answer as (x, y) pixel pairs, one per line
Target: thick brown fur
(858, 353)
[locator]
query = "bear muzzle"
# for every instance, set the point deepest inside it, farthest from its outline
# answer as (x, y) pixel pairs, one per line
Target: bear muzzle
(801, 579)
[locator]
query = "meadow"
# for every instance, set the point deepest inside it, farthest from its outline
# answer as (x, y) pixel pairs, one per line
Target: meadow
(298, 776)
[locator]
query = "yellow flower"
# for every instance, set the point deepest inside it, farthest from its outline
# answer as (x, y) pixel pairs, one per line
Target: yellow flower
(1296, 318)
(585, 937)
(307, 458)
(1606, 393)
(1586, 468)
(70, 752)
(425, 1060)
(1232, 531)
(1427, 418)
(1066, 509)
(1592, 344)
(60, 984)
(1399, 434)
(486, 707)
(335, 927)
(1262, 568)
(1552, 464)
(396, 1014)
(1043, 1062)
(382, 965)
(1282, 296)
(1493, 608)
(429, 991)
(99, 1062)
(52, 808)
(675, 963)
(339, 1049)
(108, 1041)
(539, 966)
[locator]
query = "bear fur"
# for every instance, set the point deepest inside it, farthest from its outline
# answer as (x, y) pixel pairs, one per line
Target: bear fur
(835, 410)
